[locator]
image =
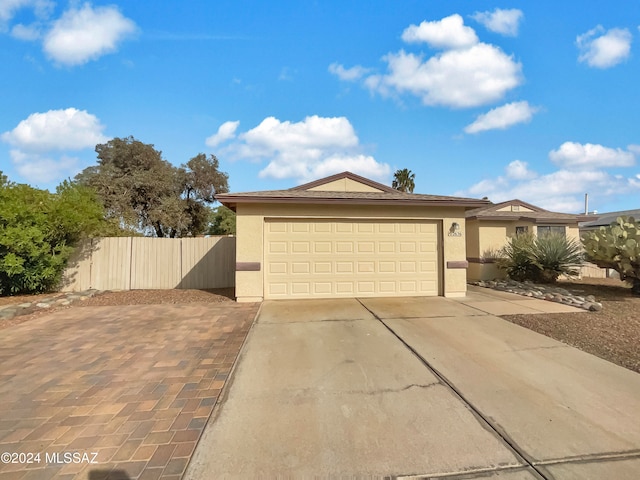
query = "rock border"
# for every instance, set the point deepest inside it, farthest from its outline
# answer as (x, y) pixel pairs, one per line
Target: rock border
(59, 299)
(543, 292)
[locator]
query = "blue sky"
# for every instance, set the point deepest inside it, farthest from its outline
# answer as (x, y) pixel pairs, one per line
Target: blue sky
(530, 100)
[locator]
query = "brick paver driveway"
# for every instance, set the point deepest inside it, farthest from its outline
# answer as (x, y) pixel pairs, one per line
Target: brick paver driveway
(129, 388)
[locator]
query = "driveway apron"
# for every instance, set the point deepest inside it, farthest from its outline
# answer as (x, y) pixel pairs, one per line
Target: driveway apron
(324, 388)
(417, 387)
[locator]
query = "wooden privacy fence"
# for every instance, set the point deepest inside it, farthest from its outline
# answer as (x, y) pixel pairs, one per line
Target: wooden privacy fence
(593, 271)
(130, 263)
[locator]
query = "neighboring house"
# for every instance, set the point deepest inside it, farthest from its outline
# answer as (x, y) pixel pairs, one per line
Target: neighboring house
(348, 236)
(489, 227)
(595, 221)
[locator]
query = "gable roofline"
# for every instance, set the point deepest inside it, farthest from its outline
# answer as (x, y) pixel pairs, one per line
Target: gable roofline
(303, 194)
(537, 215)
(494, 207)
(340, 176)
(517, 201)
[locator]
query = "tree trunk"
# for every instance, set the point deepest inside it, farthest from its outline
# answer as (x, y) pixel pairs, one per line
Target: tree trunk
(635, 287)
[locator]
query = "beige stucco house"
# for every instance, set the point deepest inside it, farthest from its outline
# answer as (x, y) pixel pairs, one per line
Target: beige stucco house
(490, 226)
(348, 236)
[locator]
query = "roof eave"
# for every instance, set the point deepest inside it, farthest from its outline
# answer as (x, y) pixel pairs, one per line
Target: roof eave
(523, 218)
(231, 201)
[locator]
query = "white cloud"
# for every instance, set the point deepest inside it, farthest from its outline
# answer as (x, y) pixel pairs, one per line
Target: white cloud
(42, 169)
(589, 155)
(450, 32)
(519, 170)
(225, 132)
(606, 50)
(362, 164)
(560, 191)
(42, 141)
(312, 134)
(26, 32)
(467, 73)
(306, 150)
(502, 117)
(348, 74)
(634, 148)
(469, 77)
(505, 22)
(8, 9)
(563, 190)
(69, 129)
(87, 33)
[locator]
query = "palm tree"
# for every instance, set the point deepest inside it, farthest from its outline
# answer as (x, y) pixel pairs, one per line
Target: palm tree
(403, 180)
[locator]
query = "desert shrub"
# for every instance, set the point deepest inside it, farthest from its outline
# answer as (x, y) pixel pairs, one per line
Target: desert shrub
(516, 258)
(540, 259)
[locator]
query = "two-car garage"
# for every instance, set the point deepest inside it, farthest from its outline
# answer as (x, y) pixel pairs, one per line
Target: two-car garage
(328, 258)
(348, 236)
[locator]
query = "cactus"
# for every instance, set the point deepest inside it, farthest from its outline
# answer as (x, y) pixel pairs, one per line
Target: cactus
(617, 246)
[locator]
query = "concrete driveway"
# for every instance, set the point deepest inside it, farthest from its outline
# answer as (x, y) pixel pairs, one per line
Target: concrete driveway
(428, 387)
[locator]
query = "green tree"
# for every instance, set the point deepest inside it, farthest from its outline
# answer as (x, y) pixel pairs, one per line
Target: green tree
(39, 230)
(201, 180)
(618, 247)
(223, 221)
(403, 180)
(143, 191)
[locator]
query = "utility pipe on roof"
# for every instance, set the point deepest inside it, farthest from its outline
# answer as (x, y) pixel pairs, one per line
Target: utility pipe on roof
(586, 204)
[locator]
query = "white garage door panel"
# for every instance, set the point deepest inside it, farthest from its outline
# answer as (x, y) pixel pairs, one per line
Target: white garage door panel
(345, 258)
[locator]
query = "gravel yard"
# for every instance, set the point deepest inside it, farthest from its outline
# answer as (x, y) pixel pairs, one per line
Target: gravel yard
(612, 334)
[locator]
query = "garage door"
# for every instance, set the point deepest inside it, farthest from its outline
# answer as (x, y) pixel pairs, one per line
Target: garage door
(347, 258)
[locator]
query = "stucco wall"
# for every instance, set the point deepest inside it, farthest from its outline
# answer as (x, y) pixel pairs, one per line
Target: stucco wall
(250, 237)
(345, 185)
(472, 238)
(493, 235)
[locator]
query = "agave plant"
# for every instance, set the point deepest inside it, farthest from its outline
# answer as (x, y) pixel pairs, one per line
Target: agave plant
(541, 259)
(554, 255)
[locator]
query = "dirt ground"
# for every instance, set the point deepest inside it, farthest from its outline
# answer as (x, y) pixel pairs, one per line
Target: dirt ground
(612, 333)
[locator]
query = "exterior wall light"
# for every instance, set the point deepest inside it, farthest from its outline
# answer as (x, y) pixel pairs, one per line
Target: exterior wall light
(454, 230)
